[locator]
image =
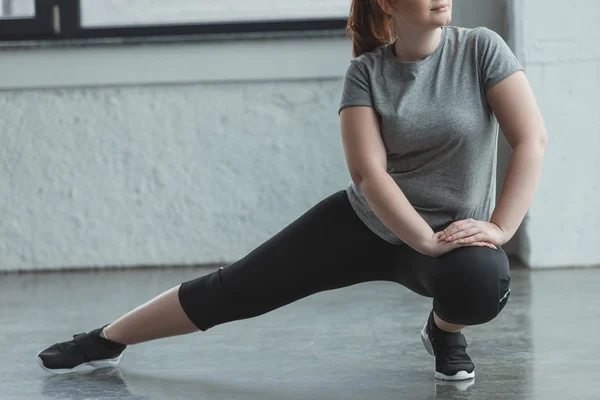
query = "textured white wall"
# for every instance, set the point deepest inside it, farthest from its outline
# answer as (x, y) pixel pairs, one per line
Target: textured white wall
(156, 174)
(161, 174)
(558, 44)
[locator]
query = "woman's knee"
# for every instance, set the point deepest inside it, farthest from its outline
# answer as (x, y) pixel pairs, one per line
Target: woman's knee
(474, 286)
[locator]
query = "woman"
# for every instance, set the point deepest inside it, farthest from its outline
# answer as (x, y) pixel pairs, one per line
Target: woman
(420, 110)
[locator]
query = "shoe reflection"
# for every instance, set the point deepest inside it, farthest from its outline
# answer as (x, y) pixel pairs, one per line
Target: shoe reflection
(445, 389)
(103, 383)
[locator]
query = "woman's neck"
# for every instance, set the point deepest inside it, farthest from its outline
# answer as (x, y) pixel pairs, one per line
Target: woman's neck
(416, 44)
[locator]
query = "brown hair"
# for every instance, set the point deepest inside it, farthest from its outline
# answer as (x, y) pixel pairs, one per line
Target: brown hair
(369, 26)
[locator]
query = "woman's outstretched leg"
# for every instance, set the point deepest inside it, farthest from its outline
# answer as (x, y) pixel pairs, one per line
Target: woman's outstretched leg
(328, 247)
(161, 317)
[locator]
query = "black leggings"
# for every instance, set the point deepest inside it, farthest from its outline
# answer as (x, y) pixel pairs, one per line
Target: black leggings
(329, 247)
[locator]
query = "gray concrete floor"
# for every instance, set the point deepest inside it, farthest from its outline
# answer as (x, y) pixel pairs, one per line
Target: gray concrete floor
(359, 342)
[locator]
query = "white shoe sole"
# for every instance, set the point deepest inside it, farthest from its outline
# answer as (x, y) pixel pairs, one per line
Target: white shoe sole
(88, 366)
(459, 376)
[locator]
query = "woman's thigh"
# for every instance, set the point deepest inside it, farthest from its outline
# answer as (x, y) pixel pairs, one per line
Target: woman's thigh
(327, 247)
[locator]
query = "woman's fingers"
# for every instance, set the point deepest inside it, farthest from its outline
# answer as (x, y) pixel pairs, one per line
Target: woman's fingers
(486, 244)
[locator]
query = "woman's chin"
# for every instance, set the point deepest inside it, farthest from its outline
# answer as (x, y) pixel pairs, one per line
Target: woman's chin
(443, 21)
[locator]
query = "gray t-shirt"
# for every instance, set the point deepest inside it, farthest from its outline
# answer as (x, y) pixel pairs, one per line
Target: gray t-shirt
(438, 129)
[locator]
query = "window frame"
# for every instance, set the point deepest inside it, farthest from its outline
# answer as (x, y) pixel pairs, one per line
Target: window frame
(41, 25)
(61, 19)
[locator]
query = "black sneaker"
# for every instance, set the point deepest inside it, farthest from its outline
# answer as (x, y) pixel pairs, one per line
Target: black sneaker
(86, 351)
(452, 363)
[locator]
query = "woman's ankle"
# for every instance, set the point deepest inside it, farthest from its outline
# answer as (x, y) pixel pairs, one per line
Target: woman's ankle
(107, 336)
(446, 326)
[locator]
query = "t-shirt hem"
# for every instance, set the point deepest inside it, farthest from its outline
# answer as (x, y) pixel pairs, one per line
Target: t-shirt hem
(357, 209)
(493, 82)
(344, 105)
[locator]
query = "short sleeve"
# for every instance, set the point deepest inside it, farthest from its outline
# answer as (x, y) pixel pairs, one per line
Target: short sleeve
(496, 59)
(356, 88)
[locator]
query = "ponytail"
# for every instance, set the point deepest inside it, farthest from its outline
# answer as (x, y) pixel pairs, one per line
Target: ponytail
(369, 26)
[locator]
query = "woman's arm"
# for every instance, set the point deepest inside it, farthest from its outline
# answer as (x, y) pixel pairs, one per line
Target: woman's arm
(367, 162)
(515, 107)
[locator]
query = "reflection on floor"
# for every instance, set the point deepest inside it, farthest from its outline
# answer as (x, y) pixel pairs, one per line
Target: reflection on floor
(359, 342)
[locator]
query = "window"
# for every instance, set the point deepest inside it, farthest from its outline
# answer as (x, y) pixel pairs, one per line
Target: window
(17, 9)
(96, 13)
(72, 19)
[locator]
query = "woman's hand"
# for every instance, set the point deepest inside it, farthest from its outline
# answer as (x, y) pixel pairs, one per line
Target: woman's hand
(438, 247)
(469, 231)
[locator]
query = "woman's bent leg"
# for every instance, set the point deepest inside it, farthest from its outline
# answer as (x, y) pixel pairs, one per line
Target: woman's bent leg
(473, 286)
(469, 285)
(326, 248)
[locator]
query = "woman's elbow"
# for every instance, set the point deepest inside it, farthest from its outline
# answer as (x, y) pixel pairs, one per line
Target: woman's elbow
(360, 178)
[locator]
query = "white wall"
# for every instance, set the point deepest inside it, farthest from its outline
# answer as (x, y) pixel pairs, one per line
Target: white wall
(558, 45)
(160, 154)
(161, 174)
(164, 173)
